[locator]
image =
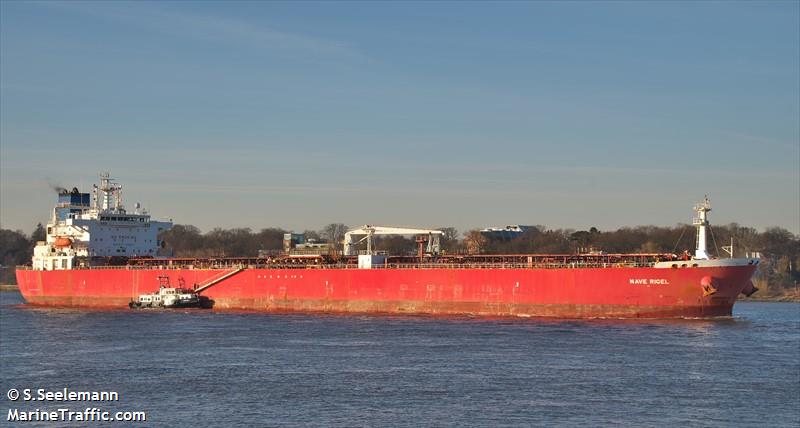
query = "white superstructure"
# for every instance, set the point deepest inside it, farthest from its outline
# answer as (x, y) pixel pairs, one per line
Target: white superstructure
(84, 227)
(701, 221)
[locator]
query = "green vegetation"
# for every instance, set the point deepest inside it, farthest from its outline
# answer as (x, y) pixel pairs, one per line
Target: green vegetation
(16, 248)
(777, 274)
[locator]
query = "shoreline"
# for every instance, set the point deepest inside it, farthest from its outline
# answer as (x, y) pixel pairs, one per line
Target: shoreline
(782, 298)
(9, 287)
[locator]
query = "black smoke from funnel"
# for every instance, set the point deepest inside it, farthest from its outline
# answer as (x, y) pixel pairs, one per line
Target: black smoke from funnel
(59, 189)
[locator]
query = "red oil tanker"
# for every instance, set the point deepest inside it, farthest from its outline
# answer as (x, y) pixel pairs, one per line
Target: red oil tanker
(97, 254)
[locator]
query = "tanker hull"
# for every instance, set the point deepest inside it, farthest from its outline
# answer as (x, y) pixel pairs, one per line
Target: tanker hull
(538, 292)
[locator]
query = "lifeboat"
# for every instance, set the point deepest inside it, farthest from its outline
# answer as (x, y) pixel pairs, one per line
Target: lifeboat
(62, 241)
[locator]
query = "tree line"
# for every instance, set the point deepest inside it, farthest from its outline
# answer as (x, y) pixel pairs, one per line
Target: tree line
(778, 248)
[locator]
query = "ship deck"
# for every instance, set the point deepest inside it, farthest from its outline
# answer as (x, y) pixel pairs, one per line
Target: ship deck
(326, 261)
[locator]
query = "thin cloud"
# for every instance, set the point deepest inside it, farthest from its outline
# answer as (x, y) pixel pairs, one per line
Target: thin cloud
(182, 23)
(765, 141)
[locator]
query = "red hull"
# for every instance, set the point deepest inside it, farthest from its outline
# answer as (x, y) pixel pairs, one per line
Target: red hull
(567, 293)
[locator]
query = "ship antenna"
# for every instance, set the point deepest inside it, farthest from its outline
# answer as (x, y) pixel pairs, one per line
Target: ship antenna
(701, 221)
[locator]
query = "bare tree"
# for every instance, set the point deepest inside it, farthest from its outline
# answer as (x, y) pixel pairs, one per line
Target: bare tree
(474, 241)
(449, 241)
(334, 234)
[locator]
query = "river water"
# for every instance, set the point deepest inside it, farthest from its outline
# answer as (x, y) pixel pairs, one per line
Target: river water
(197, 368)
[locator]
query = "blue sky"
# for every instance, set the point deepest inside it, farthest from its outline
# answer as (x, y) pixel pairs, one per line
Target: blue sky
(294, 115)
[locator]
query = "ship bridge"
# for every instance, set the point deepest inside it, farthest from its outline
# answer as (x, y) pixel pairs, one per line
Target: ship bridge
(86, 226)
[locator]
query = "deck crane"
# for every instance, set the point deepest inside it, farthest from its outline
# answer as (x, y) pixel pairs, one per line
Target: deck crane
(433, 237)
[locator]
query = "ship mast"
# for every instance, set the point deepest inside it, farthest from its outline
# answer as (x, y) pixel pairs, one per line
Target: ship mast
(107, 197)
(701, 221)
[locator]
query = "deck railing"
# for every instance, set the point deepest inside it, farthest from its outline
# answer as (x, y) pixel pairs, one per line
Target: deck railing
(279, 266)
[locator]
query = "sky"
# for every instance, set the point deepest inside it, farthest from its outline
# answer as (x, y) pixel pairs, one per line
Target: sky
(420, 114)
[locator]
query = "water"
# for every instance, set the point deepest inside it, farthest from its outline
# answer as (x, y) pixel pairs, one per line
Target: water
(200, 368)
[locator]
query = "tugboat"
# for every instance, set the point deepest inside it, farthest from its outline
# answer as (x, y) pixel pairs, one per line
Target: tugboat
(170, 297)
